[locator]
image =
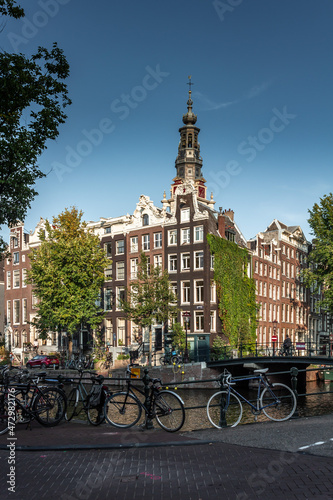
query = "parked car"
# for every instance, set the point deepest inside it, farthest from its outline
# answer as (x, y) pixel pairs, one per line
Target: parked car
(43, 361)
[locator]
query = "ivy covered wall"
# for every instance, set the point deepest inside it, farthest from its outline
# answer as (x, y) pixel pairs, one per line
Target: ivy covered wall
(235, 290)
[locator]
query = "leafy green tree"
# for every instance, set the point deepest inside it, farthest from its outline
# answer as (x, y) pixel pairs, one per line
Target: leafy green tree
(149, 298)
(33, 95)
(178, 336)
(319, 273)
(236, 291)
(67, 273)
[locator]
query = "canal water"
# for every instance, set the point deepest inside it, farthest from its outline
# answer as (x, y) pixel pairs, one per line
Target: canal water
(318, 401)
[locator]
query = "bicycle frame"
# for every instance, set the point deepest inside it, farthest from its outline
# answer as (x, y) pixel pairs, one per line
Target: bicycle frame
(263, 384)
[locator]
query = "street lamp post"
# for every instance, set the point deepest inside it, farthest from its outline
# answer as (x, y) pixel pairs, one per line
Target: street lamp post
(186, 316)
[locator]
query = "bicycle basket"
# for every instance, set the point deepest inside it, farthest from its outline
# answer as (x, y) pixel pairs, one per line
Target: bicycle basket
(95, 395)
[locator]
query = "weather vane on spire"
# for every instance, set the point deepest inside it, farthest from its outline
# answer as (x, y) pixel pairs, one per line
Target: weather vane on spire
(189, 83)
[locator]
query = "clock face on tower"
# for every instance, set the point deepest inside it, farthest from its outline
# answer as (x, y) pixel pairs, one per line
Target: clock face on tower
(201, 192)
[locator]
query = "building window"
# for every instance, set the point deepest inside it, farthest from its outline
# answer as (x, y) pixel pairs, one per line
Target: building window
(172, 237)
(158, 261)
(174, 289)
(109, 332)
(198, 234)
(199, 291)
(120, 247)
(134, 268)
(198, 260)
(15, 241)
(186, 292)
(120, 270)
(146, 242)
(120, 294)
(16, 315)
(34, 301)
(213, 321)
(145, 220)
(16, 279)
(107, 230)
(24, 276)
(9, 280)
(157, 240)
(172, 263)
(199, 321)
(24, 311)
(108, 249)
(212, 261)
(185, 215)
(9, 311)
(16, 259)
(212, 291)
(134, 247)
(185, 236)
(186, 261)
(108, 273)
(107, 299)
(121, 331)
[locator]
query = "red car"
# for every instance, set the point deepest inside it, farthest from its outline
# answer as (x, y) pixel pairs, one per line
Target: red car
(43, 361)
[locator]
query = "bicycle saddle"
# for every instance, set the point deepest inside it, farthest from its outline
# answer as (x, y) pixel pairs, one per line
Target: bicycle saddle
(261, 370)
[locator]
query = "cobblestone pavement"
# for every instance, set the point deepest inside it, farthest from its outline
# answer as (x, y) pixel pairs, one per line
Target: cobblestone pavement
(287, 460)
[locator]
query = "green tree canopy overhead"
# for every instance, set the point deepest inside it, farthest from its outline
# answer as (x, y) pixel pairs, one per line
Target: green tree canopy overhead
(67, 273)
(33, 95)
(149, 298)
(236, 291)
(320, 269)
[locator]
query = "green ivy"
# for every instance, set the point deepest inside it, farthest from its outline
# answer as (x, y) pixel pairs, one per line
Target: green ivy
(235, 290)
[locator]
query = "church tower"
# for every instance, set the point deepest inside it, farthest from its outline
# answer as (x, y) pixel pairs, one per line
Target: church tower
(189, 162)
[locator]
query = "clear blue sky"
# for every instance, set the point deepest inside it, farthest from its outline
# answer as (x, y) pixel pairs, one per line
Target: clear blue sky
(263, 80)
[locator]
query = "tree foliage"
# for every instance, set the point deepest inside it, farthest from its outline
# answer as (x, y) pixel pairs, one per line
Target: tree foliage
(149, 298)
(9, 8)
(319, 272)
(178, 336)
(33, 95)
(236, 291)
(67, 273)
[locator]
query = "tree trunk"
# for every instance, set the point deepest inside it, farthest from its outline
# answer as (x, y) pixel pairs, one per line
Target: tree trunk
(150, 346)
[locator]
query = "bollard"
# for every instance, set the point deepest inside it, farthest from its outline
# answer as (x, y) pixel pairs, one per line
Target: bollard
(294, 373)
(146, 379)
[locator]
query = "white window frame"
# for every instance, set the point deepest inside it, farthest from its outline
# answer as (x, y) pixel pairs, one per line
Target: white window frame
(158, 261)
(119, 290)
(24, 277)
(16, 311)
(134, 268)
(213, 291)
(198, 234)
(9, 280)
(120, 249)
(186, 256)
(108, 249)
(158, 240)
(185, 292)
(199, 314)
(199, 291)
(134, 244)
(172, 263)
(107, 299)
(24, 311)
(185, 215)
(185, 236)
(145, 242)
(120, 270)
(16, 278)
(172, 237)
(213, 321)
(196, 259)
(108, 273)
(16, 258)
(9, 311)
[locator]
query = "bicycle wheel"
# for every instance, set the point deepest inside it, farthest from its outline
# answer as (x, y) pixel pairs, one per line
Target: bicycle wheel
(175, 360)
(3, 415)
(122, 410)
(72, 403)
(95, 414)
(49, 407)
(163, 361)
(278, 402)
(224, 410)
(169, 411)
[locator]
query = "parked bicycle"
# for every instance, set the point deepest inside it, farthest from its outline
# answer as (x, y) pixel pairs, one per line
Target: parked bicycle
(124, 409)
(92, 402)
(22, 399)
(170, 358)
(277, 401)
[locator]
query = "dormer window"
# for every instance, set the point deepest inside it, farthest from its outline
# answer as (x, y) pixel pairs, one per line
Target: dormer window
(145, 220)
